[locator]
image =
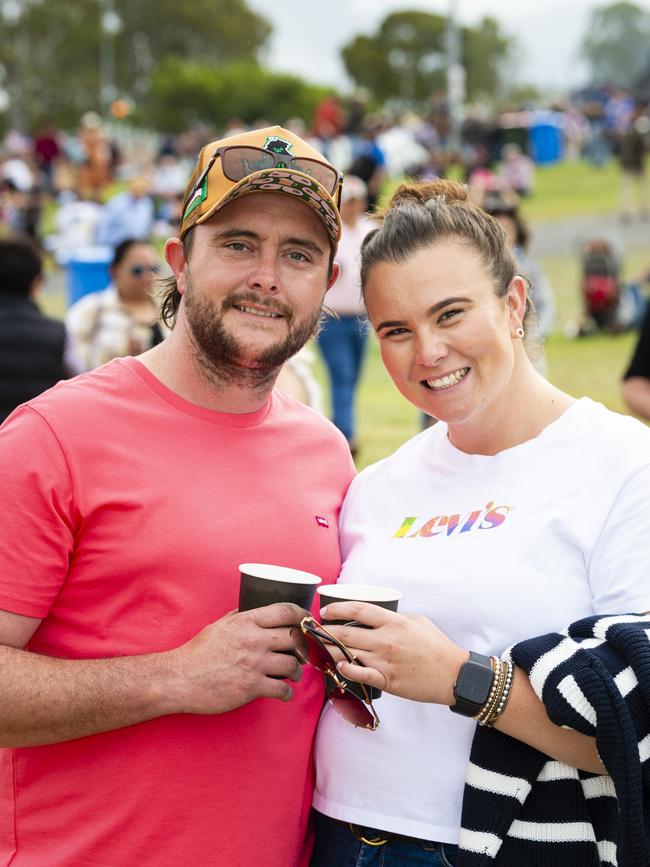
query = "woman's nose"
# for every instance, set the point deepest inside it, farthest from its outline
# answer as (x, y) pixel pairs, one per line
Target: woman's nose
(430, 350)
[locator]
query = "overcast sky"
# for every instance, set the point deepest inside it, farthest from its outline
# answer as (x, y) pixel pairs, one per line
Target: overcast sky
(308, 34)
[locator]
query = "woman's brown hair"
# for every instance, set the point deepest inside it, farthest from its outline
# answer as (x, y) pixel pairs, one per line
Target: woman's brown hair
(419, 215)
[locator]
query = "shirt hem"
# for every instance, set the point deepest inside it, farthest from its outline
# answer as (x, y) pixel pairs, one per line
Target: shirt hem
(393, 824)
(25, 609)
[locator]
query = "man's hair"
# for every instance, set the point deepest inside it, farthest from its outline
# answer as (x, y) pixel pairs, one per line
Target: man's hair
(170, 297)
(20, 265)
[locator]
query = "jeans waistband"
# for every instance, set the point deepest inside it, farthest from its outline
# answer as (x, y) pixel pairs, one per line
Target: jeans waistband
(377, 837)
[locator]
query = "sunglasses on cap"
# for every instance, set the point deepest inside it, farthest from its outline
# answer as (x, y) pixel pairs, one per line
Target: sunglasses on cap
(240, 161)
(139, 270)
(353, 708)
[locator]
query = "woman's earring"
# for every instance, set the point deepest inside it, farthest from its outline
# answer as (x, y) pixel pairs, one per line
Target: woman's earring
(520, 332)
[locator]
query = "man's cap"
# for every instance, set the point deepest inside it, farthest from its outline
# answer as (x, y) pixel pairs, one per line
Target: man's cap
(204, 196)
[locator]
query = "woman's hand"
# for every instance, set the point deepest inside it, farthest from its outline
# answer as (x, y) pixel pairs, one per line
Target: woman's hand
(403, 654)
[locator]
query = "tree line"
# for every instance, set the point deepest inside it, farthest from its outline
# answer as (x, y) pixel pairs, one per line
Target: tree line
(182, 63)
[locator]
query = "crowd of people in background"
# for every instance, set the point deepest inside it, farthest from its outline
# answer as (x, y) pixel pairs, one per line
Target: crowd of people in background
(112, 187)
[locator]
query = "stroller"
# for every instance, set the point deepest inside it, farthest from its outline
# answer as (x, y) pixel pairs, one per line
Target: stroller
(600, 286)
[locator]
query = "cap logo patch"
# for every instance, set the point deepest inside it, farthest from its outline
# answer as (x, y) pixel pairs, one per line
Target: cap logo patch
(199, 196)
(278, 146)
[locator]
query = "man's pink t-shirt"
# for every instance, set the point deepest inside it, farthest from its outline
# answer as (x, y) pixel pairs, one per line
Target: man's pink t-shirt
(126, 511)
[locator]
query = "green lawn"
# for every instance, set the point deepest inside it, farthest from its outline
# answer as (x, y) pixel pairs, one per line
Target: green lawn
(571, 189)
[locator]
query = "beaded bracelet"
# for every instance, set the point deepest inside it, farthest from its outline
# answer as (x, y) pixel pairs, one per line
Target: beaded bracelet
(505, 695)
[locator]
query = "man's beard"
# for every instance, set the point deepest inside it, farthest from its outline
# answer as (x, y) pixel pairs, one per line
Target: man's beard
(222, 357)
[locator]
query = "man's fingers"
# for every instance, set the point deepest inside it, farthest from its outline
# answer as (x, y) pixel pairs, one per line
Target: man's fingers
(279, 689)
(282, 665)
(279, 614)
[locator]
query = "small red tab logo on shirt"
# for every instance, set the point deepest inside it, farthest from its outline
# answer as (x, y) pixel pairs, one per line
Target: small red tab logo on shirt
(322, 522)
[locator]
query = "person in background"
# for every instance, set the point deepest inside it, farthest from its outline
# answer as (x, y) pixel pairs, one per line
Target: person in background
(32, 346)
(129, 214)
(631, 150)
(517, 170)
(506, 521)
(342, 338)
(123, 318)
(636, 381)
(507, 214)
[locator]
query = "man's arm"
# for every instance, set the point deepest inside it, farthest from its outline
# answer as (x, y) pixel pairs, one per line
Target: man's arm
(46, 700)
(636, 381)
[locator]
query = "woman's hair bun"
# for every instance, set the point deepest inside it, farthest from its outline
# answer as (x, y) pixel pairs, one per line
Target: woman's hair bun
(450, 192)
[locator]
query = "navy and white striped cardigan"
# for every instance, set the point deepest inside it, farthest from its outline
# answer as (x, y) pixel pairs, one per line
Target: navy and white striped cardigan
(522, 810)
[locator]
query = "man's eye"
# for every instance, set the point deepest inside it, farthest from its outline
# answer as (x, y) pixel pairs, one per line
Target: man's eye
(236, 245)
(298, 257)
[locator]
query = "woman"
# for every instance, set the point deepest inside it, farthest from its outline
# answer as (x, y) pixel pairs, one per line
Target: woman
(521, 511)
(123, 318)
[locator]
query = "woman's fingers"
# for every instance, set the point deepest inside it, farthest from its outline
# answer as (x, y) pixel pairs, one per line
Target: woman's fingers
(363, 674)
(363, 612)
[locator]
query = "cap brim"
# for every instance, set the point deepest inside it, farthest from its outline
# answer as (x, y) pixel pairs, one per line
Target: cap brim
(301, 186)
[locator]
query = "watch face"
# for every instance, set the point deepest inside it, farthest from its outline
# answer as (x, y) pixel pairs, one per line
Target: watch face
(475, 682)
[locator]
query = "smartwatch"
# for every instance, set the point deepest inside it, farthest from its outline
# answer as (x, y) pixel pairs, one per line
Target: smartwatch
(473, 685)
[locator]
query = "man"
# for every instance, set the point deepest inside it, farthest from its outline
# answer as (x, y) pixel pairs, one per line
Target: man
(129, 214)
(147, 722)
(636, 381)
(32, 345)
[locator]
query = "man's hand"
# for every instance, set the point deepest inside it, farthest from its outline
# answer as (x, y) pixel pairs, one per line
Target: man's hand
(229, 663)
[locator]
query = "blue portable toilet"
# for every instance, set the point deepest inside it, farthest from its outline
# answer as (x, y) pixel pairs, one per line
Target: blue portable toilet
(88, 271)
(545, 137)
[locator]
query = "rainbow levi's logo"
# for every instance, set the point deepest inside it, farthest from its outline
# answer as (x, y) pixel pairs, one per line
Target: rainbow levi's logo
(487, 518)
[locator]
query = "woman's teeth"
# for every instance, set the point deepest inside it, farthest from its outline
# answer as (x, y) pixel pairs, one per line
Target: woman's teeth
(447, 381)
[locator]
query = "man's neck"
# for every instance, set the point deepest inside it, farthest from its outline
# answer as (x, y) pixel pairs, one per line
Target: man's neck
(173, 363)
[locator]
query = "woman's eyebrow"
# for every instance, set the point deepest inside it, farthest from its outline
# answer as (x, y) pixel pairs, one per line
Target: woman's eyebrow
(435, 308)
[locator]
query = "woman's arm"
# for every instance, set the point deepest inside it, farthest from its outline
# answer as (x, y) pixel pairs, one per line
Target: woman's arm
(410, 657)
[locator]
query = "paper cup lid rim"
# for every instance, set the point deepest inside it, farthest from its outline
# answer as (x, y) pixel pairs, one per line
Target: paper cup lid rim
(271, 572)
(373, 592)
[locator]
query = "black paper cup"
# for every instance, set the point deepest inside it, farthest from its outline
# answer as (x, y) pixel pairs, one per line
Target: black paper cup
(263, 584)
(385, 597)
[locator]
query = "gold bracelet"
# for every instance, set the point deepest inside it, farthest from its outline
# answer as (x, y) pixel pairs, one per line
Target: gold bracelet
(505, 695)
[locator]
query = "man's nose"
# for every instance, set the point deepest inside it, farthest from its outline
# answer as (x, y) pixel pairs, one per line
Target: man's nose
(264, 274)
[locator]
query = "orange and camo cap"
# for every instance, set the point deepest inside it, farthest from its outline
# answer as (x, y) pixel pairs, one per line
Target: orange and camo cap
(216, 190)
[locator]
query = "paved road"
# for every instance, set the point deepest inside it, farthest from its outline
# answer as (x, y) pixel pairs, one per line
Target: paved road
(564, 237)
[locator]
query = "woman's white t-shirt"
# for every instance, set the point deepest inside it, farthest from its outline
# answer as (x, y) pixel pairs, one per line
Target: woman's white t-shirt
(493, 549)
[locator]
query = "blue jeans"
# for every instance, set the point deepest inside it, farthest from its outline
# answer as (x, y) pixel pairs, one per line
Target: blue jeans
(337, 846)
(343, 342)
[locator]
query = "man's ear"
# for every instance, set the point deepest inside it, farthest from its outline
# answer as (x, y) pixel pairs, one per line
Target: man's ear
(175, 258)
(334, 276)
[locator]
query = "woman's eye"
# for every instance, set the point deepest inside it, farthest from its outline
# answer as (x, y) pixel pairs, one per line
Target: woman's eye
(448, 315)
(395, 332)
